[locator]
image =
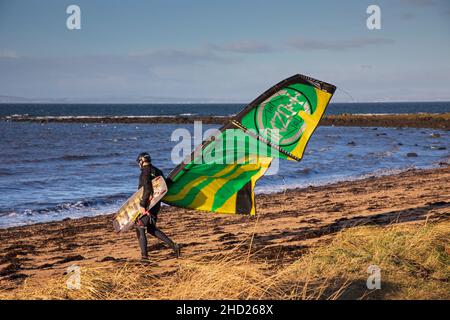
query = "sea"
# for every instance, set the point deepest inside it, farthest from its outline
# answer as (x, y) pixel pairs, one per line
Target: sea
(53, 171)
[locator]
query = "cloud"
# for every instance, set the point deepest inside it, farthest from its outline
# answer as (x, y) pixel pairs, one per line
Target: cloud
(243, 47)
(337, 45)
(8, 54)
(179, 56)
(90, 75)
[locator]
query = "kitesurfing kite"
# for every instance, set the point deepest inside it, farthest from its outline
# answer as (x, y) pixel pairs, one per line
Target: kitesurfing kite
(220, 175)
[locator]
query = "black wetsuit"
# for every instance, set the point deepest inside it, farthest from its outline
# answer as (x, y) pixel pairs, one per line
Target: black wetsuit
(148, 222)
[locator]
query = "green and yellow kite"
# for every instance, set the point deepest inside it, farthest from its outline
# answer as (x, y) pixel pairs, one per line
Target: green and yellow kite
(220, 175)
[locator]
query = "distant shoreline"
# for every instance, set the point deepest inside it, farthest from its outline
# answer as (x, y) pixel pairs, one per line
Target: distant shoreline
(420, 120)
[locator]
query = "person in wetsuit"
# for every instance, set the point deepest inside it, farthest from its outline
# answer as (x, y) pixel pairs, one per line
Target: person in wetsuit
(147, 219)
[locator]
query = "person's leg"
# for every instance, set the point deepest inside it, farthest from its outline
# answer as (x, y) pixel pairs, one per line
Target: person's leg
(156, 232)
(142, 237)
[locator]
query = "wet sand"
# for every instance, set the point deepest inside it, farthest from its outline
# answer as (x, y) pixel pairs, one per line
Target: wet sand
(287, 225)
(436, 121)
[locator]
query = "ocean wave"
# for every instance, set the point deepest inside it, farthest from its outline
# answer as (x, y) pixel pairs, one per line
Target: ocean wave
(122, 139)
(15, 115)
(4, 173)
(66, 207)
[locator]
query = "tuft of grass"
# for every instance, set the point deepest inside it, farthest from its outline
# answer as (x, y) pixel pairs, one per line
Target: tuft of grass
(227, 278)
(413, 259)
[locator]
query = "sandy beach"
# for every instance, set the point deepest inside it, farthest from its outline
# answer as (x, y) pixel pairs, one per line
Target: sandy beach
(288, 226)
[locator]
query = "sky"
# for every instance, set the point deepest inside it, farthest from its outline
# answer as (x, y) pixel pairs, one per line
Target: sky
(224, 50)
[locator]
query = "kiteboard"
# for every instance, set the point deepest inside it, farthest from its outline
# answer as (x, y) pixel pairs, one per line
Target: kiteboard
(128, 213)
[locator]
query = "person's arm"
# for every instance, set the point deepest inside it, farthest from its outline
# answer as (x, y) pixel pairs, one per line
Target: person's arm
(148, 190)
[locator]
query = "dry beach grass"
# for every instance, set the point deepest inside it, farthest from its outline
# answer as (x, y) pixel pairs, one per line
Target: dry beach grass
(412, 258)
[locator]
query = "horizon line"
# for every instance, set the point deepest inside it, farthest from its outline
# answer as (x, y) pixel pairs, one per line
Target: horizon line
(210, 103)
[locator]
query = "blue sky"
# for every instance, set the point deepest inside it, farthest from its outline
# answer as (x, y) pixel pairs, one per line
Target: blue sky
(223, 49)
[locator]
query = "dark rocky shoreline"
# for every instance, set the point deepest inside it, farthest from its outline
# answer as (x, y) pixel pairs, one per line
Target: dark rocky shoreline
(426, 120)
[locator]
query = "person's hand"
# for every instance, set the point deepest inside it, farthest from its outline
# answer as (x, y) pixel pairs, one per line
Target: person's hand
(143, 211)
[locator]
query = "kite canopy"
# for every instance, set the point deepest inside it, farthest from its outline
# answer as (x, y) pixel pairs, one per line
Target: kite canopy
(221, 173)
